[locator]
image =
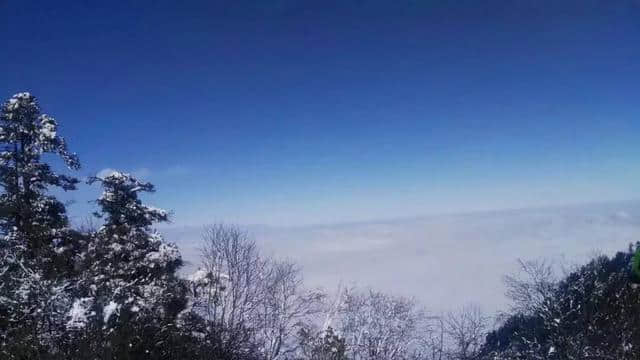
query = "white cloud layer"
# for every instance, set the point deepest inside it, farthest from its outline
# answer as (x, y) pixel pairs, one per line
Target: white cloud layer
(444, 261)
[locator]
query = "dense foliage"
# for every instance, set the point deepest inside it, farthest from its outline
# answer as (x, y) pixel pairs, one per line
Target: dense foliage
(593, 313)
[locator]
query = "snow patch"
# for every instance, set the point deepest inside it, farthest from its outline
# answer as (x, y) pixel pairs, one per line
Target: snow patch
(105, 172)
(110, 309)
(80, 313)
(200, 275)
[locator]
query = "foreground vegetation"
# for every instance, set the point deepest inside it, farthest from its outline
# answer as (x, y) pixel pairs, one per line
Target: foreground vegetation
(112, 291)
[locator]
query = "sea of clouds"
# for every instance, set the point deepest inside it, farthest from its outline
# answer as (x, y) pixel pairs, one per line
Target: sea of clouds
(444, 261)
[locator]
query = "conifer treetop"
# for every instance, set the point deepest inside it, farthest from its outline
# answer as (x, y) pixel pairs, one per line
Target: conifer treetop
(120, 202)
(25, 135)
(22, 122)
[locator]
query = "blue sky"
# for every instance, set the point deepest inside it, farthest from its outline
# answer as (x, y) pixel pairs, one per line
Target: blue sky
(300, 112)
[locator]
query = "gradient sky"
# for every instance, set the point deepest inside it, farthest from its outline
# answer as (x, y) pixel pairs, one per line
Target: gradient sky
(300, 112)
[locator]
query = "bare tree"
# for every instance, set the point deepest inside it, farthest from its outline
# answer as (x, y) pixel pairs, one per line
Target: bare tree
(235, 273)
(531, 286)
(239, 289)
(432, 342)
(286, 308)
(466, 331)
(379, 326)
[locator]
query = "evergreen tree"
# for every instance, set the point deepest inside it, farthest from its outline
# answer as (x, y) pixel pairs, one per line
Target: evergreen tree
(130, 295)
(593, 313)
(326, 345)
(36, 244)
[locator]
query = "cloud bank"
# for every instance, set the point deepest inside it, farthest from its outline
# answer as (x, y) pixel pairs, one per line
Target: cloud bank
(443, 261)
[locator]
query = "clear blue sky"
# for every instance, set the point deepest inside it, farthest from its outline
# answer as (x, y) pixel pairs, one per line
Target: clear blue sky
(296, 112)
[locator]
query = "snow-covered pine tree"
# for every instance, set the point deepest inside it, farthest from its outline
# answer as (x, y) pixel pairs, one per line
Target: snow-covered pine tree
(36, 243)
(131, 291)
